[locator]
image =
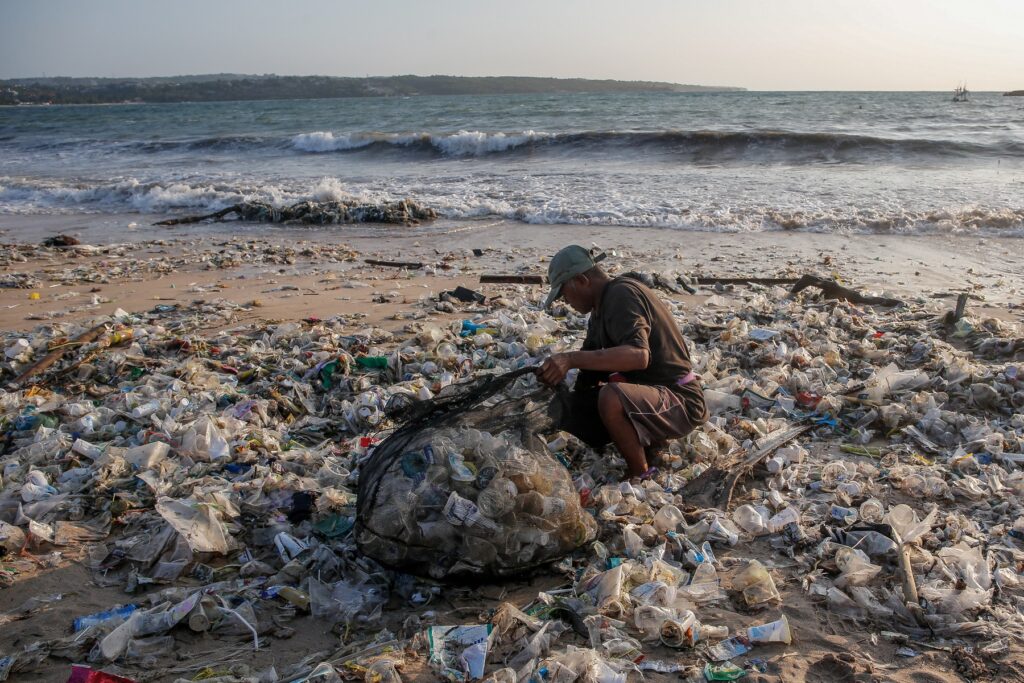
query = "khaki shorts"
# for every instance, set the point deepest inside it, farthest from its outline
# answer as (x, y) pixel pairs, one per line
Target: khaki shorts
(657, 413)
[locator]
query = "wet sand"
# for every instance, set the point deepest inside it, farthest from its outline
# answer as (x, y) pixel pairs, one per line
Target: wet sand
(299, 272)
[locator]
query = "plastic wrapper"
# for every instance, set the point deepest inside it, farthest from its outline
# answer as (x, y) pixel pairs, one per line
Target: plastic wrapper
(855, 567)
(459, 651)
(198, 523)
(756, 584)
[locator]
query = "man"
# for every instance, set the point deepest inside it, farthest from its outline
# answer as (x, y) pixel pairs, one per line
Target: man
(636, 386)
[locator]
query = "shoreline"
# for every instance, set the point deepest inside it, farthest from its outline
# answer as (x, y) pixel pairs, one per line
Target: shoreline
(286, 266)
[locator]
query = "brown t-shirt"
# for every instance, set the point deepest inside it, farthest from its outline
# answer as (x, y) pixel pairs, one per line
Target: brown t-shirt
(630, 314)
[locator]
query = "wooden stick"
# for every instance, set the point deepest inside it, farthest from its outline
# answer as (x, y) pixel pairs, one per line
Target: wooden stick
(512, 279)
(55, 355)
(394, 264)
(714, 488)
(907, 576)
(961, 306)
(745, 280)
(833, 290)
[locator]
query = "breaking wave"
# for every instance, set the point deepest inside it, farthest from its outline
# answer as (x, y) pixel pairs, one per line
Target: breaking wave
(130, 195)
(768, 146)
(697, 147)
(461, 144)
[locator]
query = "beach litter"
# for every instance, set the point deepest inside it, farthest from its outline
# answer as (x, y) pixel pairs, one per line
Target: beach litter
(403, 212)
(862, 466)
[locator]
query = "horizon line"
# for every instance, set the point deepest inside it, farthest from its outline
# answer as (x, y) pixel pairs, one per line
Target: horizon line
(558, 78)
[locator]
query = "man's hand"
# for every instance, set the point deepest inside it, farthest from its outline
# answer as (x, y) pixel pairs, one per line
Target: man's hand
(554, 368)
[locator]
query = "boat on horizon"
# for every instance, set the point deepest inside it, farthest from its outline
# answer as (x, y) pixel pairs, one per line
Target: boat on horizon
(960, 94)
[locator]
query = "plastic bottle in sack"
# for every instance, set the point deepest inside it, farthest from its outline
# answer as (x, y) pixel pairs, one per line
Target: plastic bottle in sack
(537, 504)
(498, 499)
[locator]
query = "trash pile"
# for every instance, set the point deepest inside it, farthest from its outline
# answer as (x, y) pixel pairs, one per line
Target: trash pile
(861, 466)
(403, 212)
(110, 263)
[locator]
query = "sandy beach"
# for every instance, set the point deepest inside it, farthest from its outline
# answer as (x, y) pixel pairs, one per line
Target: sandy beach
(300, 272)
(281, 275)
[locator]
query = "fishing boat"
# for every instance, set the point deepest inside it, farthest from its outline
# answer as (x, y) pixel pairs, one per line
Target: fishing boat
(960, 94)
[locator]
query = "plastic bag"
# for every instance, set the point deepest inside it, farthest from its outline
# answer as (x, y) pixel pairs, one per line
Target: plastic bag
(198, 523)
(204, 442)
(855, 567)
(904, 521)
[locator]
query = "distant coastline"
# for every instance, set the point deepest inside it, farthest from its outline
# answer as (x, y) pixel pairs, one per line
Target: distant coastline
(1014, 93)
(236, 87)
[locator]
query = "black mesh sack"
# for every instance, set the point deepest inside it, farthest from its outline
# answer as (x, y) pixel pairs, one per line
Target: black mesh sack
(466, 487)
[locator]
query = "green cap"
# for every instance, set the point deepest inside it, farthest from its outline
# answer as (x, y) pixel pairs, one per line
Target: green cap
(569, 262)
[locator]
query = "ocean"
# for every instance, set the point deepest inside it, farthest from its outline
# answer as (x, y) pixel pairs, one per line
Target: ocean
(805, 161)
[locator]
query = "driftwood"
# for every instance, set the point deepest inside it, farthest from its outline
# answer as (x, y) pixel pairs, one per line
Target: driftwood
(215, 216)
(745, 280)
(394, 264)
(952, 317)
(53, 356)
(833, 290)
(60, 241)
(512, 279)
(404, 212)
(714, 487)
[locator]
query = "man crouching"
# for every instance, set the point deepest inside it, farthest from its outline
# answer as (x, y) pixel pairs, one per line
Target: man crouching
(636, 385)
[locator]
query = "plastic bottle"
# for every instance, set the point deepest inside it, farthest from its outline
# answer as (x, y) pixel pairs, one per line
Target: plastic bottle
(751, 519)
(843, 515)
(633, 543)
(87, 449)
(780, 520)
(119, 612)
(720, 531)
(498, 499)
(704, 573)
(667, 519)
(146, 409)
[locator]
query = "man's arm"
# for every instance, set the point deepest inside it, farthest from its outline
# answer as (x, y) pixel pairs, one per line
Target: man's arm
(616, 359)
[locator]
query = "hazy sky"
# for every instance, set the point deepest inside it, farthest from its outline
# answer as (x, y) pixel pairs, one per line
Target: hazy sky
(758, 44)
